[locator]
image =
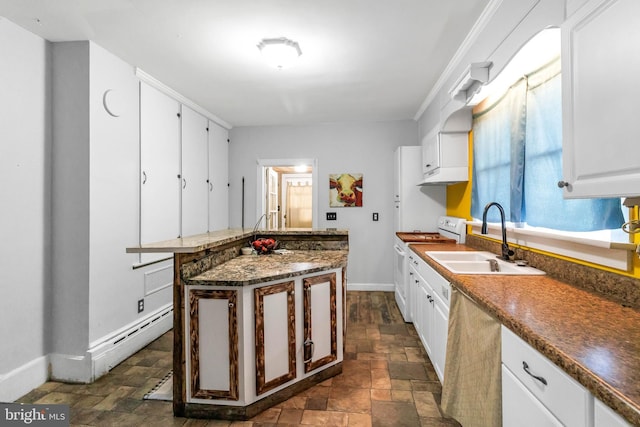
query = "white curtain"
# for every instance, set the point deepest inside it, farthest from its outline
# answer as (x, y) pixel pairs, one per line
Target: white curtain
(299, 204)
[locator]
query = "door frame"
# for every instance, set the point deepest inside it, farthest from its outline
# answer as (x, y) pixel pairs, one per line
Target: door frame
(261, 184)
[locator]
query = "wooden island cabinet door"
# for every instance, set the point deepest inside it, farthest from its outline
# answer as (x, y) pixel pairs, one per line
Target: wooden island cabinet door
(213, 335)
(275, 341)
(320, 321)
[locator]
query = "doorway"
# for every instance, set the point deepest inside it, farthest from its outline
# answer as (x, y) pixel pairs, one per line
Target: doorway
(287, 193)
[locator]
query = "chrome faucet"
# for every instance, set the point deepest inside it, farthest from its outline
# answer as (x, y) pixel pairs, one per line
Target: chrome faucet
(506, 252)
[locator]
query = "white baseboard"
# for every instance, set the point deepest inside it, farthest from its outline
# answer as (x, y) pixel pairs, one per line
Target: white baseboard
(384, 287)
(106, 354)
(22, 380)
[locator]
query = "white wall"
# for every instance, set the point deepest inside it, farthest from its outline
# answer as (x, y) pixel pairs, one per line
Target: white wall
(25, 145)
(366, 148)
(96, 214)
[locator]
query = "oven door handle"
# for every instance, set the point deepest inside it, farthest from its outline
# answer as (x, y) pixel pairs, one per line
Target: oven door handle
(398, 250)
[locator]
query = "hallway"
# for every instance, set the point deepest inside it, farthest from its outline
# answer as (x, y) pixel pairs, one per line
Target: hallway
(387, 380)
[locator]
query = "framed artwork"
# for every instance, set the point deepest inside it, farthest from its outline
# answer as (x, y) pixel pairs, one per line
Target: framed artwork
(345, 190)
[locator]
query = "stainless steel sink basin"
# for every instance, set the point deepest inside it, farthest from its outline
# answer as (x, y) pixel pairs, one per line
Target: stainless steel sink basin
(478, 262)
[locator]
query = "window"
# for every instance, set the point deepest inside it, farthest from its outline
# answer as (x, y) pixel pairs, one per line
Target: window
(518, 160)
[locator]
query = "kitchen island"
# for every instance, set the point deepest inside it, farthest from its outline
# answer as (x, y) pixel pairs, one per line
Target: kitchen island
(593, 339)
(250, 331)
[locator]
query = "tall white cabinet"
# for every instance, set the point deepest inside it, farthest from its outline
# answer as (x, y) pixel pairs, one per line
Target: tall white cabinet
(600, 69)
(194, 173)
(183, 170)
(218, 177)
(159, 166)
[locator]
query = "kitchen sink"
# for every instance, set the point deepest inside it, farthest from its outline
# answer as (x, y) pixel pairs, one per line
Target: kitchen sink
(479, 262)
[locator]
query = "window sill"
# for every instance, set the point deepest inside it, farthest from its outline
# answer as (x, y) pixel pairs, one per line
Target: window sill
(584, 247)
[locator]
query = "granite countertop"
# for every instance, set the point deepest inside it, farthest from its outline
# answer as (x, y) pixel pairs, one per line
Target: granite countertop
(199, 242)
(251, 269)
(594, 340)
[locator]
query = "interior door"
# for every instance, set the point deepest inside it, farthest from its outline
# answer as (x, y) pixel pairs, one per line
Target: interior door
(272, 199)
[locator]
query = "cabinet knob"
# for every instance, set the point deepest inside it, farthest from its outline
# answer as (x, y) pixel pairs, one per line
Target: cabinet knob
(562, 184)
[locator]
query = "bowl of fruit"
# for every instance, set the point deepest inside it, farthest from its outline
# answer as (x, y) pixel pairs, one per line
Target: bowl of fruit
(264, 245)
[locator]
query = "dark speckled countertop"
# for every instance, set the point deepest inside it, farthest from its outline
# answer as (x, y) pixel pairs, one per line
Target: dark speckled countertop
(593, 339)
(251, 269)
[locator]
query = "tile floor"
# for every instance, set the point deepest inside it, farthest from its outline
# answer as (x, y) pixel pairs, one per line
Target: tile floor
(387, 380)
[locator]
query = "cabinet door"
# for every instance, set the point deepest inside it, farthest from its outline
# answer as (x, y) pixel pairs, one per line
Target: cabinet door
(605, 417)
(440, 329)
(600, 69)
(194, 173)
(275, 351)
(213, 344)
(520, 408)
(159, 166)
(218, 177)
(425, 315)
(320, 321)
(430, 153)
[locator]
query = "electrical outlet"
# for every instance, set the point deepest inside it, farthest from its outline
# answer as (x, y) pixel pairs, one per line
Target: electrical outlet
(375, 216)
(332, 216)
(140, 305)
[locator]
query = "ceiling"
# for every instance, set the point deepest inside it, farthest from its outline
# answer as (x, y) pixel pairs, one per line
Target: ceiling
(362, 60)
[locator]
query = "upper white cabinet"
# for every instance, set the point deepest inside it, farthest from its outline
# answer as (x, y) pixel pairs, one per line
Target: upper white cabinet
(218, 177)
(183, 170)
(445, 157)
(194, 173)
(600, 69)
(159, 166)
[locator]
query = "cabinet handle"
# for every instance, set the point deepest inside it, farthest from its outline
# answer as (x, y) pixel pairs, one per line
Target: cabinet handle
(184, 183)
(563, 184)
(308, 350)
(210, 187)
(428, 165)
(144, 177)
(525, 366)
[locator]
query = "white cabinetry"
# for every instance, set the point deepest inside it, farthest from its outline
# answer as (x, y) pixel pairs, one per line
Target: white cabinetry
(183, 168)
(194, 173)
(603, 416)
(600, 69)
(445, 157)
(430, 291)
(535, 392)
(159, 166)
(218, 177)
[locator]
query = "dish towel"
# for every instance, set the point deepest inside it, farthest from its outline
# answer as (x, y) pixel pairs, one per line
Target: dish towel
(472, 386)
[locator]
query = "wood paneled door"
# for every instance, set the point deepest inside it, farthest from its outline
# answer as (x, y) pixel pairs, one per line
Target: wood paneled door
(275, 319)
(320, 321)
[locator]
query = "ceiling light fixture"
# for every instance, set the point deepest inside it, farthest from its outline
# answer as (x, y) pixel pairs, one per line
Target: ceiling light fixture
(280, 52)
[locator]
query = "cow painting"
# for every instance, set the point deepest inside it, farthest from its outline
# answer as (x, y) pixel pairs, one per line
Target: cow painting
(345, 190)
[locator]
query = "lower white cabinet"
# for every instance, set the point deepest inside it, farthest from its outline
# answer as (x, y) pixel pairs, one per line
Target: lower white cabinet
(430, 298)
(603, 416)
(520, 407)
(535, 392)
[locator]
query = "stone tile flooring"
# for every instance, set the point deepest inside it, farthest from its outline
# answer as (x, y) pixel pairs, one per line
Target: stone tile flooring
(387, 380)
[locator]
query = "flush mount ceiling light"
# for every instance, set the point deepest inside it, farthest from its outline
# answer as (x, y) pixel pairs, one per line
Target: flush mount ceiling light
(280, 52)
